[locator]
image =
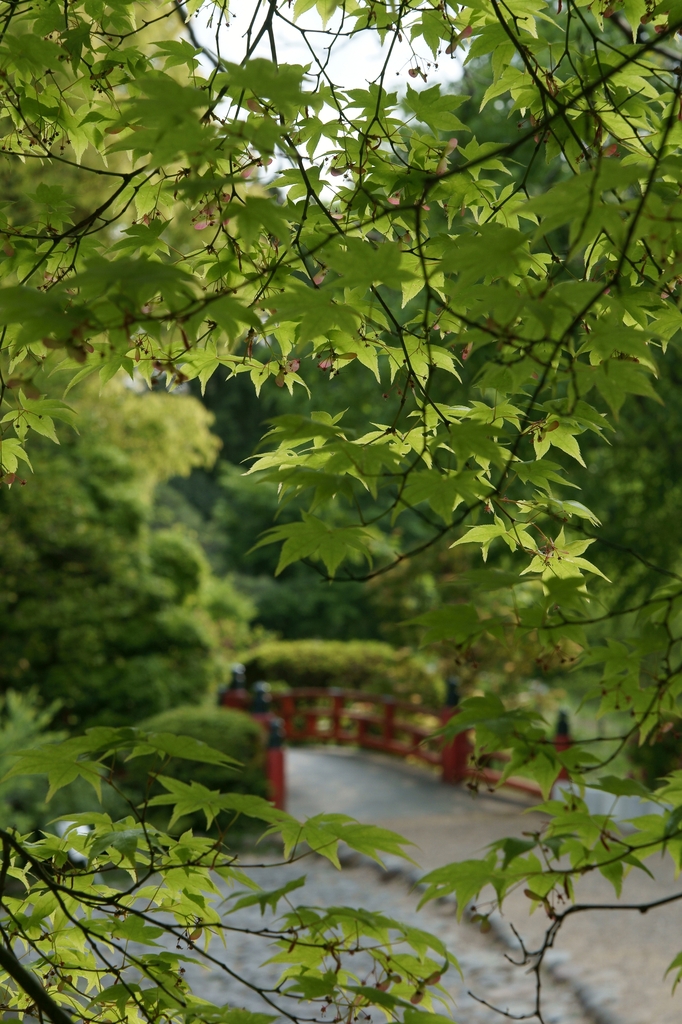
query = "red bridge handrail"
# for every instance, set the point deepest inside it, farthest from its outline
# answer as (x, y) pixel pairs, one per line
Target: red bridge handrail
(339, 719)
(380, 722)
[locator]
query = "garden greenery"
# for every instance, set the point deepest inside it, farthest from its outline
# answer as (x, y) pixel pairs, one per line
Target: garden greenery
(103, 610)
(354, 664)
(195, 203)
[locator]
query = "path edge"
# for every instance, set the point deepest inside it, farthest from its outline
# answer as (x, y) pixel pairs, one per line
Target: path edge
(559, 969)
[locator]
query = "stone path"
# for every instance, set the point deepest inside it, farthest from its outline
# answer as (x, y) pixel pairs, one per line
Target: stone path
(615, 960)
(486, 973)
(376, 789)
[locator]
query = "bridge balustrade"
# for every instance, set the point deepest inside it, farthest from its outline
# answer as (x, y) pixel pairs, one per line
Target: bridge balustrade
(371, 721)
(382, 723)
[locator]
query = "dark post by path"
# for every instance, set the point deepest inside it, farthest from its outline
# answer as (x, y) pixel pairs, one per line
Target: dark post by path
(258, 704)
(456, 752)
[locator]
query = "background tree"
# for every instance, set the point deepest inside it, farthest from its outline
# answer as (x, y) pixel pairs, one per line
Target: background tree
(104, 611)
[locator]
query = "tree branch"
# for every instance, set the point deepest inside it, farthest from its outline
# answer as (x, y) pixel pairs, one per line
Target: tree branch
(29, 983)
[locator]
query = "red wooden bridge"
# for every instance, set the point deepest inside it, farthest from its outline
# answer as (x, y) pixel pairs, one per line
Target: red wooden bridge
(377, 722)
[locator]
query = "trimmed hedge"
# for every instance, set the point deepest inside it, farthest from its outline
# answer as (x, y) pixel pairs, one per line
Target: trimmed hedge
(232, 732)
(353, 664)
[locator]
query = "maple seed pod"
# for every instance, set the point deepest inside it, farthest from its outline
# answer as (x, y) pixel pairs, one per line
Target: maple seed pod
(196, 934)
(464, 34)
(417, 998)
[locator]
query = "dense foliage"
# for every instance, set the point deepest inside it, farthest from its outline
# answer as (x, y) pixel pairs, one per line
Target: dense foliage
(103, 612)
(355, 664)
(203, 205)
(298, 603)
(23, 724)
(232, 733)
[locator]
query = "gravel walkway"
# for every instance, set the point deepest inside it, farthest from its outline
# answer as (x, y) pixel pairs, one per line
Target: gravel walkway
(615, 960)
(486, 971)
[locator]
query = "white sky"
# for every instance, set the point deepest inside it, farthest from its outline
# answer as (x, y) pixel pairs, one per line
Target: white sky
(354, 62)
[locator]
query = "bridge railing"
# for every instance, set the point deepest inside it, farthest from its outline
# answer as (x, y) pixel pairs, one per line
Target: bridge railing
(371, 721)
(379, 722)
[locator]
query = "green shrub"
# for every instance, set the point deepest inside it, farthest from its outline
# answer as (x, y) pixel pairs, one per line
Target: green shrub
(660, 755)
(101, 609)
(231, 732)
(353, 664)
(23, 723)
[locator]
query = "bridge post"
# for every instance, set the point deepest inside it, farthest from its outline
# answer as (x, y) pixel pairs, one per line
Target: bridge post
(337, 710)
(310, 724)
(361, 725)
(389, 719)
(287, 709)
(274, 728)
(455, 753)
(562, 739)
(236, 695)
(275, 763)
